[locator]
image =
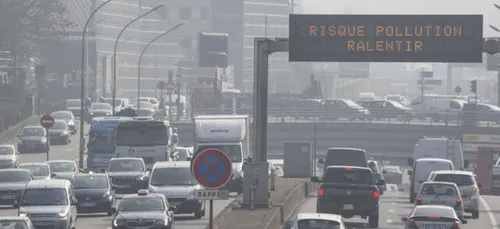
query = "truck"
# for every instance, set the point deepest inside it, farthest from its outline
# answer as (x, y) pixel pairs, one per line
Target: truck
(229, 133)
(439, 147)
(349, 191)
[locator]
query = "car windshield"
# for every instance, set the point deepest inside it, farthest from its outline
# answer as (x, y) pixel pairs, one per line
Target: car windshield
(433, 211)
(59, 125)
(101, 106)
(317, 224)
(13, 224)
(182, 154)
(32, 132)
(90, 182)
(62, 167)
(73, 103)
(347, 176)
(36, 170)
(44, 197)
(6, 150)
(351, 103)
(172, 176)
(397, 104)
(8, 176)
(61, 115)
(233, 151)
(126, 166)
(438, 189)
(142, 204)
(459, 180)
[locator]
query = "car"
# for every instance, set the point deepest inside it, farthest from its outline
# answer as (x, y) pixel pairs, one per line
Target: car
(129, 174)
(393, 174)
(64, 169)
(378, 175)
(441, 193)
(143, 210)
(94, 193)
(143, 118)
(32, 139)
(68, 117)
(433, 216)
(74, 106)
(59, 133)
(175, 180)
(39, 170)
(99, 110)
(344, 156)
(466, 182)
(336, 193)
(182, 154)
(12, 184)
(9, 157)
(16, 222)
(49, 204)
(143, 108)
(151, 100)
(421, 170)
(315, 220)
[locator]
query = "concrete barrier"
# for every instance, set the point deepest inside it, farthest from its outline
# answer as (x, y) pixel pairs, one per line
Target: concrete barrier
(15, 130)
(224, 214)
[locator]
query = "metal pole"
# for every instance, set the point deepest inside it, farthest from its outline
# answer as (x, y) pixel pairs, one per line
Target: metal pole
(170, 106)
(498, 86)
(82, 87)
(422, 84)
(314, 147)
(114, 51)
(48, 144)
(265, 25)
(178, 102)
(211, 215)
(140, 60)
(260, 91)
(156, 73)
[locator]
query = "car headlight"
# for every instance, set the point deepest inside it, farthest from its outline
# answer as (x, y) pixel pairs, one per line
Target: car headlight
(71, 123)
(106, 194)
(23, 214)
(162, 221)
(63, 214)
(64, 134)
(91, 113)
(109, 113)
(140, 177)
(118, 223)
(43, 140)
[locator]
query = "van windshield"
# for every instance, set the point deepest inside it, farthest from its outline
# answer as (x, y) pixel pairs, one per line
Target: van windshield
(346, 157)
(347, 176)
(458, 179)
(44, 197)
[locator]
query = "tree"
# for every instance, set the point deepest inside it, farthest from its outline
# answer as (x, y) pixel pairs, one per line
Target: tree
(23, 22)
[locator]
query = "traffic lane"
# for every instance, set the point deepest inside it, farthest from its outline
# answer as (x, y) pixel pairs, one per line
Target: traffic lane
(393, 206)
(491, 209)
(100, 221)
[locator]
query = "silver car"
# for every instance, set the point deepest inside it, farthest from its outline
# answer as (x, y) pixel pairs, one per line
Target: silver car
(16, 222)
(9, 157)
(433, 216)
(39, 170)
(316, 220)
(466, 182)
(441, 193)
(64, 169)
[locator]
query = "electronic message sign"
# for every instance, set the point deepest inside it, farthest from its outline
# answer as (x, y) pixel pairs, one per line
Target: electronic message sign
(386, 38)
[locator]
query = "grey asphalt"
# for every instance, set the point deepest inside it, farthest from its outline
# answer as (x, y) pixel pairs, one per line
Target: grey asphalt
(70, 152)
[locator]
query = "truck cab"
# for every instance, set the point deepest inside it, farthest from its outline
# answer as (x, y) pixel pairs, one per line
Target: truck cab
(229, 133)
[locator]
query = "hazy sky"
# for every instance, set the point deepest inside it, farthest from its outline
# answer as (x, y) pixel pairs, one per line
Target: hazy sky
(484, 7)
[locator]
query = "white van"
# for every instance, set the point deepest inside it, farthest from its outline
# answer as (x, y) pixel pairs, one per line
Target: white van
(421, 170)
(444, 148)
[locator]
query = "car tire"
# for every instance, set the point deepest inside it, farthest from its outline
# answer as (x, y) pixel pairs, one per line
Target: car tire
(373, 221)
(475, 214)
(109, 213)
(199, 213)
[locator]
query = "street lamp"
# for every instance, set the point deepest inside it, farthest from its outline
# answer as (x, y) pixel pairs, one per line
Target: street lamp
(114, 50)
(82, 86)
(140, 60)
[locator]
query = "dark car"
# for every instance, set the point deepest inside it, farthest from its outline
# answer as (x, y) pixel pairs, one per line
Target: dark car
(488, 112)
(32, 139)
(393, 174)
(378, 176)
(143, 108)
(73, 106)
(128, 174)
(99, 110)
(348, 191)
(67, 117)
(64, 169)
(39, 171)
(94, 193)
(387, 109)
(59, 133)
(12, 184)
(143, 210)
(342, 109)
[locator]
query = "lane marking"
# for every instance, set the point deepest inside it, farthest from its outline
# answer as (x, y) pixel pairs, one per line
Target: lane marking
(490, 214)
(391, 210)
(389, 221)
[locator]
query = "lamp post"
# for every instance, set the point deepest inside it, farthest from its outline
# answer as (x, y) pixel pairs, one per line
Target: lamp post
(82, 87)
(114, 50)
(140, 60)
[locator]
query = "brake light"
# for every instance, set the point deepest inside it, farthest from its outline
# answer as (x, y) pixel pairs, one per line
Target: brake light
(348, 169)
(474, 189)
(376, 195)
(456, 225)
(412, 224)
(433, 217)
(321, 192)
(459, 203)
(418, 201)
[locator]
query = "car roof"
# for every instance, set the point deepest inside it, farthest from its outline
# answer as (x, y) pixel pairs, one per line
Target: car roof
(54, 161)
(332, 217)
(345, 148)
(7, 145)
(61, 112)
(34, 163)
(135, 195)
(345, 166)
(56, 183)
(15, 169)
(170, 164)
(91, 174)
(439, 182)
(127, 159)
(457, 172)
(13, 218)
(433, 159)
(31, 127)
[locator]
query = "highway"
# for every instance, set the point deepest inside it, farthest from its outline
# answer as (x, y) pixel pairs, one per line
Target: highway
(394, 205)
(100, 221)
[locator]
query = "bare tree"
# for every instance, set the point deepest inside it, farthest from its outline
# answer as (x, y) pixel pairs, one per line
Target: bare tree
(23, 22)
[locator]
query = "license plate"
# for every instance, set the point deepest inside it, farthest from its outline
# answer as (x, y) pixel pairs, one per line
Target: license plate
(433, 226)
(88, 204)
(42, 223)
(437, 202)
(175, 203)
(31, 146)
(9, 197)
(348, 207)
(124, 186)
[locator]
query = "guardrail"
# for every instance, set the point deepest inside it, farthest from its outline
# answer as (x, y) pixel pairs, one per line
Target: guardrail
(448, 117)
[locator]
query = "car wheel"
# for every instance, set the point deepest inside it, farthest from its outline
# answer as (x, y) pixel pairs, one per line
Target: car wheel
(373, 221)
(475, 214)
(199, 213)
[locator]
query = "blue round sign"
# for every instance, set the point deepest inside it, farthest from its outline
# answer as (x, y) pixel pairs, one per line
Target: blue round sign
(212, 168)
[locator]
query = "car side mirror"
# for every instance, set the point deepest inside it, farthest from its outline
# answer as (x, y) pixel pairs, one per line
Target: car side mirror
(409, 172)
(172, 208)
(410, 161)
(114, 187)
(466, 164)
(384, 171)
(480, 184)
(404, 219)
(321, 161)
(15, 204)
(148, 170)
(74, 202)
(113, 210)
(315, 179)
(464, 221)
(175, 139)
(53, 175)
